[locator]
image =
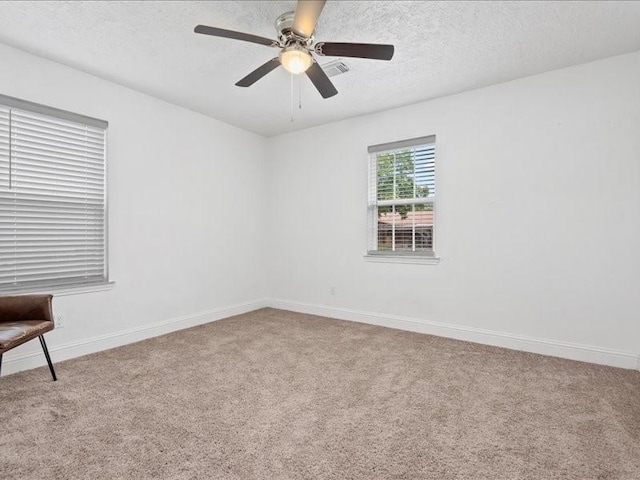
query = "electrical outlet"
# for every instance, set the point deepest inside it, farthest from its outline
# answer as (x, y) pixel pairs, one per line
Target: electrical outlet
(58, 320)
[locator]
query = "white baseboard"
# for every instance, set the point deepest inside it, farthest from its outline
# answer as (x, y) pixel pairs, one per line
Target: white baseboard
(16, 363)
(555, 348)
(585, 353)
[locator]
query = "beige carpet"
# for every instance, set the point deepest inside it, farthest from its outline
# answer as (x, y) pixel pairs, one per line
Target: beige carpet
(279, 395)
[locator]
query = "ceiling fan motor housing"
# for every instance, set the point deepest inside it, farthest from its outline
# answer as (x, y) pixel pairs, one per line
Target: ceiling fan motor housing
(284, 24)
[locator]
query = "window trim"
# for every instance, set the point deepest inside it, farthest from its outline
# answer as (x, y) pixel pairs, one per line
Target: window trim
(411, 142)
(66, 290)
(385, 256)
(20, 104)
(420, 259)
(72, 288)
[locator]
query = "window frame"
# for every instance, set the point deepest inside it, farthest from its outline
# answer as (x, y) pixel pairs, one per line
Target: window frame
(399, 256)
(61, 287)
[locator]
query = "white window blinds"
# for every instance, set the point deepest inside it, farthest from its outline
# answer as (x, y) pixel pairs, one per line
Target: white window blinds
(402, 193)
(52, 198)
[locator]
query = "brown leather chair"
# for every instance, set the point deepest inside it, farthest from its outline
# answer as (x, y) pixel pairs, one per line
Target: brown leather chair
(23, 318)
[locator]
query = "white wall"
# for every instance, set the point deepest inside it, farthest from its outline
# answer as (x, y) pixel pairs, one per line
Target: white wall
(538, 216)
(538, 213)
(184, 212)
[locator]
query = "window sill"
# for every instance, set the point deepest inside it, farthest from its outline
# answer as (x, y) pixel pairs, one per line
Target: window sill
(416, 259)
(99, 287)
(64, 291)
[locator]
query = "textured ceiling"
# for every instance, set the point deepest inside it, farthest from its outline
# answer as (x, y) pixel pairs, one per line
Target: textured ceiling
(441, 48)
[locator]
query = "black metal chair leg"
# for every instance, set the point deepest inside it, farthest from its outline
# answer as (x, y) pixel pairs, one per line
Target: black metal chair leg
(46, 354)
(0, 364)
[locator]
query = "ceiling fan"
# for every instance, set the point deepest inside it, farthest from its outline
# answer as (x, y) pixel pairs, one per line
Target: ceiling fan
(297, 46)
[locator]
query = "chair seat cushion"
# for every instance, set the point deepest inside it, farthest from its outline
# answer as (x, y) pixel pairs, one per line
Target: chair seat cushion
(13, 334)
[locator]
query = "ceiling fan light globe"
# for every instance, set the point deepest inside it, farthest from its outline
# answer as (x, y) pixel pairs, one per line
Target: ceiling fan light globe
(295, 60)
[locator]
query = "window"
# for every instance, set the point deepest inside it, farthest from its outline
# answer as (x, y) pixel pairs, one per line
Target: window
(52, 198)
(402, 194)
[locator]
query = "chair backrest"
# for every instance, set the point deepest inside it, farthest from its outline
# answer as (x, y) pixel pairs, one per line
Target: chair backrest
(26, 307)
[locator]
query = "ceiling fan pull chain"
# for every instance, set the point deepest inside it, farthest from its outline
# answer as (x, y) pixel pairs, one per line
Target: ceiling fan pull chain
(291, 76)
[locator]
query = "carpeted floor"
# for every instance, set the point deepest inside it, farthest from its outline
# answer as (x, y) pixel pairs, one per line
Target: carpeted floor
(279, 395)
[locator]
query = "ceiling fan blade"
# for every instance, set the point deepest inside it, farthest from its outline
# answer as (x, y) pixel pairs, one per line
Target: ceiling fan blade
(320, 80)
(247, 37)
(306, 17)
(375, 51)
(259, 72)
